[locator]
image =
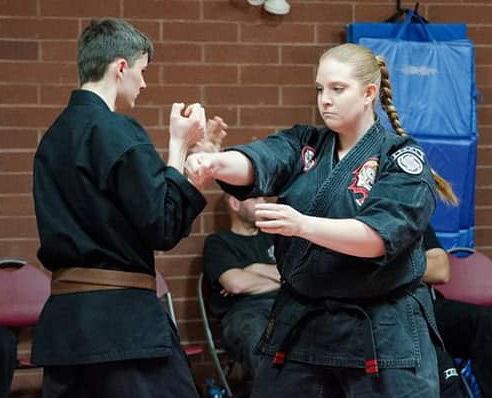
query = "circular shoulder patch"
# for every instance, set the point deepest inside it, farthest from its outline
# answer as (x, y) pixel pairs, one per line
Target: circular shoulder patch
(410, 163)
(410, 159)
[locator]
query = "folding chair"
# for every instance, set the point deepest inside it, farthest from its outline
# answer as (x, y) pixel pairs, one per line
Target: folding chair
(215, 352)
(165, 296)
(23, 291)
(471, 282)
(471, 277)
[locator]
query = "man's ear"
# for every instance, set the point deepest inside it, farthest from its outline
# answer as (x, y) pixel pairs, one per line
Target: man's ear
(234, 204)
(370, 94)
(120, 65)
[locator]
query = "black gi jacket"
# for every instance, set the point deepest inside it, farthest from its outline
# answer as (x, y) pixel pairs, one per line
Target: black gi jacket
(351, 303)
(105, 199)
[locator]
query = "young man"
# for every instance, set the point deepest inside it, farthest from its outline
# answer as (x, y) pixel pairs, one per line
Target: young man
(104, 201)
(240, 266)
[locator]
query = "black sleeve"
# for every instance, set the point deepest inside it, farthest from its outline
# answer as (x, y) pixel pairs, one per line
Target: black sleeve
(399, 207)
(430, 239)
(275, 161)
(160, 202)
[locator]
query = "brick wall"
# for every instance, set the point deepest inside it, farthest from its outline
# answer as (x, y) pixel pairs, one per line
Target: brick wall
(254, 69)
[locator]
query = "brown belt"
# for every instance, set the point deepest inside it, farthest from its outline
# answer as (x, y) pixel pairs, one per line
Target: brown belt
(76, 280)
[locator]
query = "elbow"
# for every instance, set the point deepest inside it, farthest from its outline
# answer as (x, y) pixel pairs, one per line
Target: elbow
(235, 287)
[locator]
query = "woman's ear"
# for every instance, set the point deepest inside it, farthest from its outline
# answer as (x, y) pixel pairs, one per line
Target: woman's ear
(370, 94)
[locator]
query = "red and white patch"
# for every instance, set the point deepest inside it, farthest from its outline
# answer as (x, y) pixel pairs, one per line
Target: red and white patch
(363, 180)
(308, 156)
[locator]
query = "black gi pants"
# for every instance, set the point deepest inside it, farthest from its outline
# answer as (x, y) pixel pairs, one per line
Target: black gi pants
(168, 377)
(8, 359)
(466, 330)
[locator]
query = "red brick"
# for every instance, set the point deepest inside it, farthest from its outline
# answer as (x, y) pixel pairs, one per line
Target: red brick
(18, 138)
(56, 95)
(181, 265)
(18, 227)
(38, 28)
(15, 183)
(289, 75)
(277, 33)
(199, 74)
(484, 76)
(485, 156)
(16, 205)
(484, 214)
(216, 222)
(302, 95)
(186, 309)
(145, 115)
(24, 249)
(16, 161)
(38, 72)
(231, 11)
(244, 135)
(59, 50)
(319, 12)
(166, 95)
(18, 94)
(330, 34)
(483, 196)
(482, 235)
(162, 9)
(241, 95)
(228, 113)
(485, 115)
(28, 117)
(87, 8)
(171, 53)
(372, 12)
(20, 50)
(151, 28)
(182, 286)
(16, 7)
(480, 34)
(283, 116)
(484, 176)
(485, 96)
(240, 53)
(199, 31)
(301, 54)
(483, 55)
(469, 13)
(191, 331)
(485, 135)
(190, 245)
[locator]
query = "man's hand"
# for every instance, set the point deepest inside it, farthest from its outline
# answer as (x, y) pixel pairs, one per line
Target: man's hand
(189, 127)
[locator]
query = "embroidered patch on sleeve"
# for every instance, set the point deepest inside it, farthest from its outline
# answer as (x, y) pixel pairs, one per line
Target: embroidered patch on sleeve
(308, 156)
(410, 159)
(363, 179)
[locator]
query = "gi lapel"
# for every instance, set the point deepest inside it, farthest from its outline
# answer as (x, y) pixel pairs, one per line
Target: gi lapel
(337, 181)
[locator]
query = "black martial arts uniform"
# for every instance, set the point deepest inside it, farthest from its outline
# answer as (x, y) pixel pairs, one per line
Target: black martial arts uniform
(104, 199)
(339, 319)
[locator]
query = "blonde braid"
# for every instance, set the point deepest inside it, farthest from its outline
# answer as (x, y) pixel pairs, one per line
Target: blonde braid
(387, 98)
(444, 188)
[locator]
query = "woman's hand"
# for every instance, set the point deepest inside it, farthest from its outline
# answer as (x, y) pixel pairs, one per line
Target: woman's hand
(212, 141)
(199, 167)
(274, 218)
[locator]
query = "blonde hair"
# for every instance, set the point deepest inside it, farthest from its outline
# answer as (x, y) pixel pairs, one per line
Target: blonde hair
(367, 68)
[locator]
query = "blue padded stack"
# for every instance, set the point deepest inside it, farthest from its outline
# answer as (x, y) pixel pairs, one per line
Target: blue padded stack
(440, 114)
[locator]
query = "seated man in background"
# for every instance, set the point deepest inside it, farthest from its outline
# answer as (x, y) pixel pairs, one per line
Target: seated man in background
(466, 329)
(239, 265)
